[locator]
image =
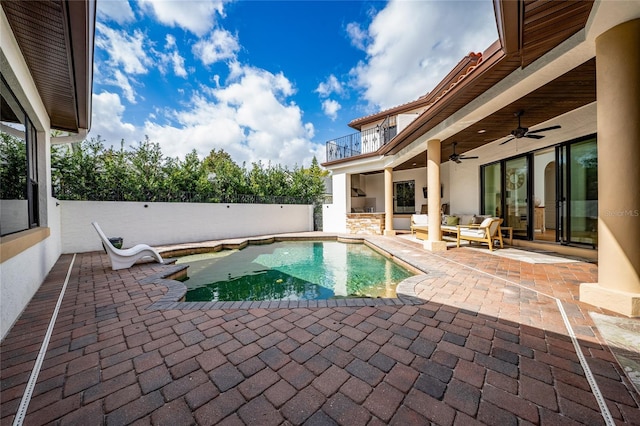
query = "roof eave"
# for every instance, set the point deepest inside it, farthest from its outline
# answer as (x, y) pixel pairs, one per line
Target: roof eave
(81, 35)
(461, 67)
(494, 55)
(508, 23)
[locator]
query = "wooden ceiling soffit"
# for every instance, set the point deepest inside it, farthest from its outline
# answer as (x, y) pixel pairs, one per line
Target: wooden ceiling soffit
(568, 92)
(56, 40)
(546, 24)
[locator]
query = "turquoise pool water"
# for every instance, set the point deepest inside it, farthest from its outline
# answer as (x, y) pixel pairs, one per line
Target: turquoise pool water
(292, 271)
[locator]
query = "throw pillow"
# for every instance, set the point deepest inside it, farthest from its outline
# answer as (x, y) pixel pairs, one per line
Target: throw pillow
(477, 220)
(452, 220)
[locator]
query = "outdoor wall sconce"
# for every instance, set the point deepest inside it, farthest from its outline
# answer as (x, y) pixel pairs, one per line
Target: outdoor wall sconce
(425, 192)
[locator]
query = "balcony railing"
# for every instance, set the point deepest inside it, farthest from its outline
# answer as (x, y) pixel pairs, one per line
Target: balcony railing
(364, 142)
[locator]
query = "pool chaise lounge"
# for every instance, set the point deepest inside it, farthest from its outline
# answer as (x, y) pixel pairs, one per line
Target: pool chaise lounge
(125, 258)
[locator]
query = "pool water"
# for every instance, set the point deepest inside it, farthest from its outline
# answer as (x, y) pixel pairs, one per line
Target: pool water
(292, 271)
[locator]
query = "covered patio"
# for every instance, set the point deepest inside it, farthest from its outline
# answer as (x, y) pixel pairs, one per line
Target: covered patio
(482, 339)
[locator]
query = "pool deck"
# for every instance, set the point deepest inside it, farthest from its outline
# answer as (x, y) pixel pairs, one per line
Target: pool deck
(489, 340)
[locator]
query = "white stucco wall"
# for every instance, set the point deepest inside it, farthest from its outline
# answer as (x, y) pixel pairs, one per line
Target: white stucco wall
(171, 223)
(334, 215)
(464, 184)
(20, 278)
(22, 275)
(404, 120)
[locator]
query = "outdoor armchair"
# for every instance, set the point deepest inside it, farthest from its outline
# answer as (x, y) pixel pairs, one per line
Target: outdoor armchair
(487, 232)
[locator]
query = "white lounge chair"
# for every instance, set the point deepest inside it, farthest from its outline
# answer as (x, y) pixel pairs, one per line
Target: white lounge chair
(124, 258)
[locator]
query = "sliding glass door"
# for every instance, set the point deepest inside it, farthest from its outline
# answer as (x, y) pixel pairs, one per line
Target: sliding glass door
(516, 183)
(546, 195)
(578, 192)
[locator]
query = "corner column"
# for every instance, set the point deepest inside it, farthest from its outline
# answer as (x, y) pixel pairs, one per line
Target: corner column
(618, 109)
(388, 202)
(434, 241)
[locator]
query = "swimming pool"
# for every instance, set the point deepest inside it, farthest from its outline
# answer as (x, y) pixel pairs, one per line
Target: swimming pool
(300, 270)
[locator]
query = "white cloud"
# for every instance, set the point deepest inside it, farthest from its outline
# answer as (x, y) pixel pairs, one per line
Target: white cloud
(250, 117)
(172, 57)
(357, 35)
(331, 85)
(107, 120)
(122, 81)
(412, 45)
(126, 51)
(219, 46)
(197, 17)
(116, 10)
(330, 108)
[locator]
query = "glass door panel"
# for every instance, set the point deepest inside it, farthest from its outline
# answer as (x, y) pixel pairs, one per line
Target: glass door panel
(491, 190)
(544, 195)
(583, 192)
(516, 203)
(561, 194)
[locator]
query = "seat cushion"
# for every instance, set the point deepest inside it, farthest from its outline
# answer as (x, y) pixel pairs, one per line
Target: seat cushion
(473, 233)
(486, 222)
(420, 219)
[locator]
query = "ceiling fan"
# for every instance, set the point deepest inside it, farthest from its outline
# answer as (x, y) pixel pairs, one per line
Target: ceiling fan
(457, 158)
(523, 132)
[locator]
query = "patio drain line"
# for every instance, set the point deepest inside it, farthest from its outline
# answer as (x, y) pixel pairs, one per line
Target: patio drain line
(604, 409)
(606, 414)
(26, 397)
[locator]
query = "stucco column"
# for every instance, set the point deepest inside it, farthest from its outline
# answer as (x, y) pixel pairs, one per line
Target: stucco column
(618, 94)
(388, 202)
(434, 242)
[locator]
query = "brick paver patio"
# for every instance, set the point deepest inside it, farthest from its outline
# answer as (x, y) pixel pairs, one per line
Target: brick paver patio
(486, 345)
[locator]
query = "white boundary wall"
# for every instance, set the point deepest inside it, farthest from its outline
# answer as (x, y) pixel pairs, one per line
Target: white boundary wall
(172, 223)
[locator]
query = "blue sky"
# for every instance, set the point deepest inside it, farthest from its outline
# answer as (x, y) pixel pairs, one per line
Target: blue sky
(269, 80)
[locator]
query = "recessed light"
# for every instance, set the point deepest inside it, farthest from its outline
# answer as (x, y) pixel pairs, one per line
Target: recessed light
(414, 164)
(481, 131)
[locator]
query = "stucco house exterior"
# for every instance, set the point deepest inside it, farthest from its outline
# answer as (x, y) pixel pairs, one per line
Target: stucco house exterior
(548, 117)
(46, 67)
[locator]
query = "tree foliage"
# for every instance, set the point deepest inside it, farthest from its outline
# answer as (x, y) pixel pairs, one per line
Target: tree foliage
(13, 167)
(89, 171)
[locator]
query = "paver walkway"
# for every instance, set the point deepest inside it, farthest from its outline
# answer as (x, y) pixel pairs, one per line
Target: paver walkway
(488, 345)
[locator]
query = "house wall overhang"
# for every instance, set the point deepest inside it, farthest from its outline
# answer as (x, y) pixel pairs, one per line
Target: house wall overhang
(523, 61)
(56, 39)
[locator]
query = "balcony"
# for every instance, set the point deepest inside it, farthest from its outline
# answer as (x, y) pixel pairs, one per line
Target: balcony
(364, 142)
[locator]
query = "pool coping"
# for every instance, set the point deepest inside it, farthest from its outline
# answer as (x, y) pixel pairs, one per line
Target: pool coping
(173, 299)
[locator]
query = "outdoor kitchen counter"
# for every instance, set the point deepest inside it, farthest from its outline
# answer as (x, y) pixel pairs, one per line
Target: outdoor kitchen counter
(365, 223)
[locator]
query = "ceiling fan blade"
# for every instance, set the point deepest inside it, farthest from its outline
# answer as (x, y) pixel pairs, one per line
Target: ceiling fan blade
(534, 136)
(463, 157)
(545, 129)
(508, 140)
(457, 161)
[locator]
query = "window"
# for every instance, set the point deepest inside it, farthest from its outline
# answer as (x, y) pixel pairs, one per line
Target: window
(404, 199)
(18, 166)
